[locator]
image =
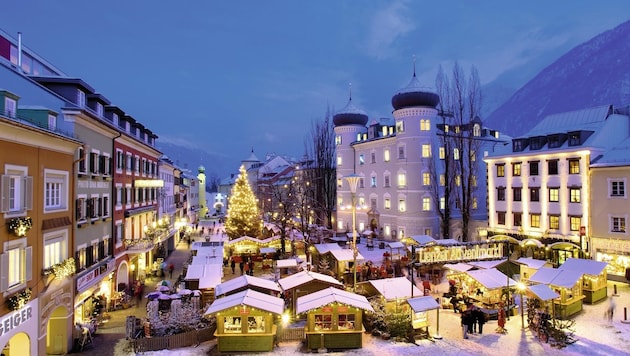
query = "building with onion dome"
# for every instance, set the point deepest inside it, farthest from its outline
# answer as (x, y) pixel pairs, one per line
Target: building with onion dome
(392, 157)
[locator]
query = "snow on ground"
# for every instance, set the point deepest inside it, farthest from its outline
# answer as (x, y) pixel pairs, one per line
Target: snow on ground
(595, 334)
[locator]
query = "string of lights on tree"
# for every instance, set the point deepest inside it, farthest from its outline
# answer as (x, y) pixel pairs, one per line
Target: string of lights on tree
(243, 218)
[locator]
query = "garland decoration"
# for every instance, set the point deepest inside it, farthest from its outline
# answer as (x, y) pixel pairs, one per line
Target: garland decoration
(20, 226)
(19, 300)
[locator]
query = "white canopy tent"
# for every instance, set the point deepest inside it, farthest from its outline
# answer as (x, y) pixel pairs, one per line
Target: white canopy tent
(394, 288)
(250, 298)
(331, 295)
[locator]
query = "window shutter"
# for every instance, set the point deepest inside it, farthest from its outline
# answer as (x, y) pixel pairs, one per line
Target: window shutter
(4, 194)
(100, 207)
(29, 263)
(4, 271)
(28, 193)
(78, 209)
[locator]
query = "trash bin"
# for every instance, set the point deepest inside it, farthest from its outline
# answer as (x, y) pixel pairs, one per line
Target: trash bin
(381, 245)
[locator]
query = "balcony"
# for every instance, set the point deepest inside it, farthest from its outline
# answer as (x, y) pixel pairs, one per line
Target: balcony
(141, 245)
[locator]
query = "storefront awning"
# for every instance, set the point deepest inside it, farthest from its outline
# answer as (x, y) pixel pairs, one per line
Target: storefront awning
(421, 304)
(543, 292)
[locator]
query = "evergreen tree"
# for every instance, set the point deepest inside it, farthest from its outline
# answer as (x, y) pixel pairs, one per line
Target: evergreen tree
(243, 218)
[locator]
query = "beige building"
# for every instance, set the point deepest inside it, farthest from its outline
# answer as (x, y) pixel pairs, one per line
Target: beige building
(610, 210)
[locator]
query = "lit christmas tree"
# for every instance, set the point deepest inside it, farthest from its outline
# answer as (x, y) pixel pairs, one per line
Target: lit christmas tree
(243, 218)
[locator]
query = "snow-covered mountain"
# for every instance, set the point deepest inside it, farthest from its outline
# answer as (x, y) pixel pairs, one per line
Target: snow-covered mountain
(593, 73)
(188, 158)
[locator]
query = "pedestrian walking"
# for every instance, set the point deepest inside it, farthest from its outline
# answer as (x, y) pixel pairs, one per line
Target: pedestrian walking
(611, 309)
(233, 265)
(465, 316)
(481, 319)
(246, 269)
(171, 267)
(470, 319)
(251, 267)
(241, 265)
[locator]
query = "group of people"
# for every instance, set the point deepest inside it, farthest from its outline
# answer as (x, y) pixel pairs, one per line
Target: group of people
(473, 319)
(246, 267)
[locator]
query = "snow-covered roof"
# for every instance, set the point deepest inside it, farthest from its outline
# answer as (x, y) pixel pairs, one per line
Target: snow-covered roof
(491, 278)
(243, 281)
(396, 244)
(207, 259)
(289, 262)
(424, 303)
(304, 277)
(249, 298)
(585, 119)
(423, 239)
(243, 238)
(591, 267)
(543, 292)
(487, 264)
(556, 277)
(392, 288)
(208, 275)
(460, 267)
(324, 248)
(531, 262)
(618, 155)
(331, 295)
(346, 254)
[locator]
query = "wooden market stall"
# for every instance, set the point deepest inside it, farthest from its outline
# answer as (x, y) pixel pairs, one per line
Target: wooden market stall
(334, 318)
(420, 307)
(245, 282)
(203, 277)
(303, 283)
(594, 279)
(543, 294)
(487, 288)
(320, 252)
(246, 321)
(528, 266)
(394, 292)
(342, 261)
(567, 283)
(285, 267)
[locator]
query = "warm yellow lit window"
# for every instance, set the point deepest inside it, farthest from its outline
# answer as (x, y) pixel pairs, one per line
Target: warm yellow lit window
(442, 153)
(576, 222)
(534, 220)
(388, 203)
(400, 126)
(426, 179)
(338, 140)
(426, 204)
(456, 154)
(402, 180)
(442, 203)
(442, 180)
(574, 166)
(402, 205)
(426, 151)
(554, 222)
(386, 155)
(516, 169)
(425, 125)
(474, 203)
(500, 170)
(339, 161)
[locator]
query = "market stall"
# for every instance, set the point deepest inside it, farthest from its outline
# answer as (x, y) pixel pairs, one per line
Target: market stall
(303, 283)
(204, 277)
(528, 266)
(594, 279)
(488, 288)
(246, 321)
(342, 263)
(245, 282)
(543, 294)
(420, 307)
(394, 292)
(334, 318)
(567, 283)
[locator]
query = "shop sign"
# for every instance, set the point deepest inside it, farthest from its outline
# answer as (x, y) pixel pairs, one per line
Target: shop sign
(342, 309)
(459, 253)
(611, 245)
(15, 319)
(327, 309)
(244, 311)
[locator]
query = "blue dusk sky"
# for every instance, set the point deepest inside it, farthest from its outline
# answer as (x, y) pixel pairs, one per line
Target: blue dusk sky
(229, 76)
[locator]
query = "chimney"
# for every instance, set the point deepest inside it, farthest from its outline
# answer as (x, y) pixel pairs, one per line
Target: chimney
(19, 63)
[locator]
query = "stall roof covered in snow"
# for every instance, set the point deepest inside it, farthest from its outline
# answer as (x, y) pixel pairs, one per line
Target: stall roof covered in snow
(265, 250)
(447, 242)
(590, 267)
(531, 262)
(243, 239)
(423, 239)
(208, 275)
(250, 298)
(331, 295)
(392, 288)
(424, 303)
(346, 254)
(491, 278)
(543, 292)
(243, 281)
(396, 244)
(324, 248)
(487, 264)
(556, 277)
(289, 262)
(207, 259)
(459, 267)
(304, 277)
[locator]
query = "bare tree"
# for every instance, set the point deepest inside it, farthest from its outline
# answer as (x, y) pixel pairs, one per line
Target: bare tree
(460, 105)
(320, 149)
(283, 194)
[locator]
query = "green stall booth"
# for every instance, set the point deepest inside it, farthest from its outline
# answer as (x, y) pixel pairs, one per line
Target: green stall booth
(567, 284)
(246, 321)
(594, 277)
(334, 319)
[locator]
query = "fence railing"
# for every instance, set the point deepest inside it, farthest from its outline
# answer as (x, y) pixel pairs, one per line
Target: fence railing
(291, 334)
(189, 338)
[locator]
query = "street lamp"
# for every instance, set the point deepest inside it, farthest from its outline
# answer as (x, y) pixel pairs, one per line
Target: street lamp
(353, 181)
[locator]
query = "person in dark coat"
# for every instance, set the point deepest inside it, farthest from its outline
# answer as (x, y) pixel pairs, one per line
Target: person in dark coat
(470, 319)
(465, 318)
(233, 265)
(481, 319)
(251, 267)
(241, 265)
